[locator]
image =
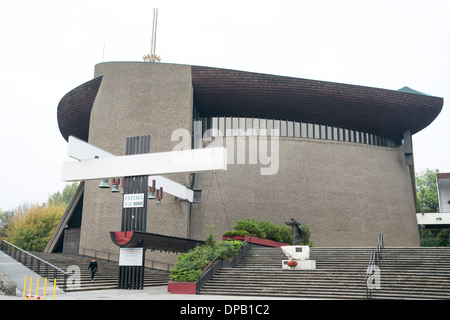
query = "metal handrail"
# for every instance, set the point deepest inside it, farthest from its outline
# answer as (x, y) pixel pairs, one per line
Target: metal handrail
(243, 243)
(207, 267)
(14, 249)
(375, 259)
(212, 267)
(380, 244)
(214, 260)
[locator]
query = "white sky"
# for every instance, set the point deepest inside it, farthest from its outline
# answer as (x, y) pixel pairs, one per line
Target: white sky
(50, 47)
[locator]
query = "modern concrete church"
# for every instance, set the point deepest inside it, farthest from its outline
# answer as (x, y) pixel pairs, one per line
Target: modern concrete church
(336, 157)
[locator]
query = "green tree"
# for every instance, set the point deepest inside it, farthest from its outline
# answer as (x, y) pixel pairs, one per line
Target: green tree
(65, 196)
(32, 231)
(435, 238)
(30, 227)
(5, 219)
(427, 197)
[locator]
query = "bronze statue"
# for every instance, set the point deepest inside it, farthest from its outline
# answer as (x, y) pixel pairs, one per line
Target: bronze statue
(298, 234)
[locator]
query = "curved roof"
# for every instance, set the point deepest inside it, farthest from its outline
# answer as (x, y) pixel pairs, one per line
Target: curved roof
(74, 110)
(223, 92)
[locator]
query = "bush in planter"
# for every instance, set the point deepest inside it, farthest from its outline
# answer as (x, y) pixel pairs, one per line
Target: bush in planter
(286, 234)
(262, 229)
(266, 230)
(307, 241)
(251, 226)
(229, 248)
(190, 264)
(185, 275)
(271, 230)
(236, 233)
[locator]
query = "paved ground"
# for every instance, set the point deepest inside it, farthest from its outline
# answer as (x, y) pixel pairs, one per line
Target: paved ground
(17, 273)
(150, 293)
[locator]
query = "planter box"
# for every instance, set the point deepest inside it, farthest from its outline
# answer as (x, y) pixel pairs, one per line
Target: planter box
(182, 287)
(256, 240)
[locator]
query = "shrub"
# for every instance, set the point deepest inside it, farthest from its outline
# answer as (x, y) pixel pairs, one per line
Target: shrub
(286, 234)
(271, 230)
(185, 275)
(210, 239)
(228, 248)
(191, 264)
(251, 226)
(266, 230)
(262, 229)
(235, 233)
(307, 242)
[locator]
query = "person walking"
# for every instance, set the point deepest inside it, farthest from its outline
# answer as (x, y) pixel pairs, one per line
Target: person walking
(93, 266)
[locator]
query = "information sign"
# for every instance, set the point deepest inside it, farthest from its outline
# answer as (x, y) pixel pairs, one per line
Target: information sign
(135, 200)
(130, 256)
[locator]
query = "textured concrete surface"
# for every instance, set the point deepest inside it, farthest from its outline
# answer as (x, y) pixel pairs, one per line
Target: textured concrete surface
(345, 192)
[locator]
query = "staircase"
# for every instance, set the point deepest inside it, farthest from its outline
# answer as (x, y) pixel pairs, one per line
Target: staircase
(414, 273)
(406, 273)
(105, 278)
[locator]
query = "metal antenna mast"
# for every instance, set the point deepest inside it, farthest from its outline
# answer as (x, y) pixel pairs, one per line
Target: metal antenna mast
(152, 57)
(155, 23)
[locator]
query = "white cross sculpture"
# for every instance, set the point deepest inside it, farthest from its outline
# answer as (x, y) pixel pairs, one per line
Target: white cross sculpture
(94, 163)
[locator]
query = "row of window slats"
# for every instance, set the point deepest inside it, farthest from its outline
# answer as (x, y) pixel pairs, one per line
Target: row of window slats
(228, 126)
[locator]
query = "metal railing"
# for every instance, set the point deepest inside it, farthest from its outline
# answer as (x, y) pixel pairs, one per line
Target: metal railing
(212, 267)
(375, 260)
(34, 263)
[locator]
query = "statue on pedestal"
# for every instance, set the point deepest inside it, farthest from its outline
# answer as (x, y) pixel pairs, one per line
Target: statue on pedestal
(298, 234)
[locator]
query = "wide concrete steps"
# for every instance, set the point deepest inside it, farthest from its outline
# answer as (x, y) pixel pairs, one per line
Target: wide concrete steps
(414, 273)
(105, 278)
(406, 273)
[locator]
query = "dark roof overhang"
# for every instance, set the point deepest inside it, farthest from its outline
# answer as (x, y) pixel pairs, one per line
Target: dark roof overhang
(74, 110)
(223, 92)
(389, 113)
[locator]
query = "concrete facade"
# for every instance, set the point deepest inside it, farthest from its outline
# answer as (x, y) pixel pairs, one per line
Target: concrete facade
(136, 99)
(345, 192)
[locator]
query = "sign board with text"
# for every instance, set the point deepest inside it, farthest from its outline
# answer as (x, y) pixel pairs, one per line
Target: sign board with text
(133, 200)
(131, 256)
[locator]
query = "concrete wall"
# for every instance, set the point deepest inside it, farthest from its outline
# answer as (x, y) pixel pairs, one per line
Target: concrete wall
(346, 193)
(136, 99)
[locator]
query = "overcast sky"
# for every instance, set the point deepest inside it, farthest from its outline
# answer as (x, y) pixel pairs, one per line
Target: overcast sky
(50, 47)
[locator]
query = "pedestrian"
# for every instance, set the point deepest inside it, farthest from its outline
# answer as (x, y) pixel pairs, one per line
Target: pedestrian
(93, 267)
